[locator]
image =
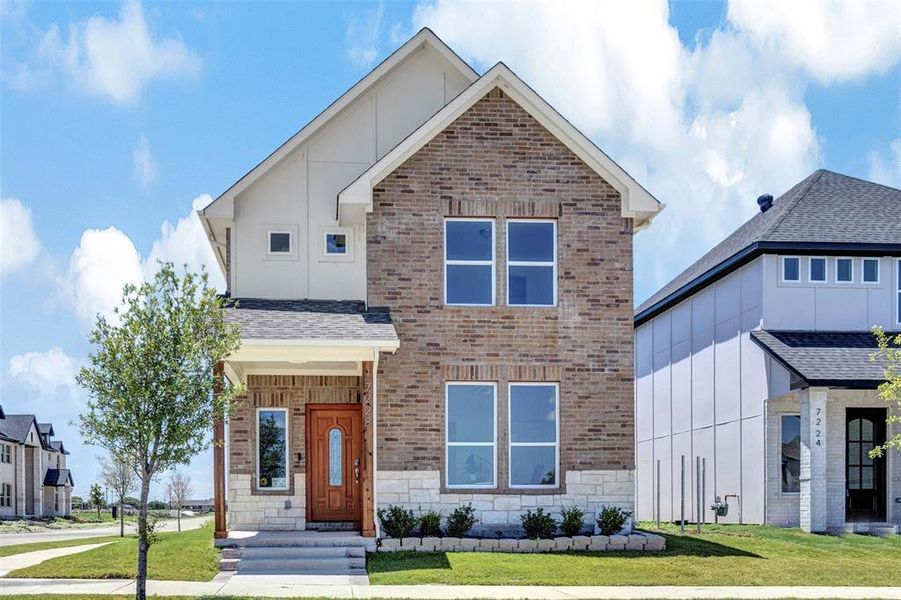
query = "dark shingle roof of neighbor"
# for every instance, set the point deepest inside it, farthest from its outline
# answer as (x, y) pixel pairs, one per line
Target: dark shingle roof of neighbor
(310, 320)
(833, 358)
(45, 428)
(58, 446)
(16, 426)
(58, 477)
(824, 208)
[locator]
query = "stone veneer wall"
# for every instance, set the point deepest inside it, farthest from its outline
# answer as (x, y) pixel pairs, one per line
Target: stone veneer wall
(782, 510)
(421, 491)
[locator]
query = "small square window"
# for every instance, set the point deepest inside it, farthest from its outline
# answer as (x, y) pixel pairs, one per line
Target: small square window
(335, 243)
(279, 242)
(791, 268)
(844, 270)
(871, 270)
(817, 269)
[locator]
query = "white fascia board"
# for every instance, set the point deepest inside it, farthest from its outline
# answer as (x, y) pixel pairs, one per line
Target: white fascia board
(637, 202)
(217, 245)
(302, 351)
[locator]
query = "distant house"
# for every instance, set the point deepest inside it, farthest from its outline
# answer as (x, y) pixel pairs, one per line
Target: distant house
(34, 478)
(757, 358)
(198, 506)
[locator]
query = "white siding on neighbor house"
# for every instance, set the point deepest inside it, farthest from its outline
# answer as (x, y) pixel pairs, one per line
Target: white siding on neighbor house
(700, 391)
(829, 306)
(8, 475)
(300, 192)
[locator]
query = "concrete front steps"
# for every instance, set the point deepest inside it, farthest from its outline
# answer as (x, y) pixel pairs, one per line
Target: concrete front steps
(880, 529)
(295, 553)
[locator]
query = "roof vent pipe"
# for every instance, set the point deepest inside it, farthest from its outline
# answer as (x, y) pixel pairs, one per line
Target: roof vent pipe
(765, 202)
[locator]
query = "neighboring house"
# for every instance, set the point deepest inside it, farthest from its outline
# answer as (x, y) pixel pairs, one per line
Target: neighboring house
(434, 287)
(198, 506)
(757, 358)
(34, 480)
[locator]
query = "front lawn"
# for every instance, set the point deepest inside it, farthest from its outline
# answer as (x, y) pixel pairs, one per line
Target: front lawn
(722, 555)
(34, 546)
(78, 519)
(185, 556)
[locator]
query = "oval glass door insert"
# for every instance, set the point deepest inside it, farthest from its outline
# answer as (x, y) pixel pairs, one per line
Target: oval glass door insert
(335, 447)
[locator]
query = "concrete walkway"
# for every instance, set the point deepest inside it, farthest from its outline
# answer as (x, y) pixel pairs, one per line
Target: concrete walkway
(28, 559)
(52, 535)
(270, 586)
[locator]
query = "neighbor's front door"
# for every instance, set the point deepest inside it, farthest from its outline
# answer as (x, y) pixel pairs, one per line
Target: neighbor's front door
(334, 451)
(865, 476)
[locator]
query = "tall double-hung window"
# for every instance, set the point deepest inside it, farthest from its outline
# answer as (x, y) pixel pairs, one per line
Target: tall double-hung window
(534, 434)
(471, 430)
(531, 263)
(469, 262)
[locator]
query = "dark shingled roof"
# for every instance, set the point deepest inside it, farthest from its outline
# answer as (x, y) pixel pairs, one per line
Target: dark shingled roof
(45, 428)
(16, 426)
(824, 208)
(828, 358)
(58, 477)
(57, 445)
(310, 320)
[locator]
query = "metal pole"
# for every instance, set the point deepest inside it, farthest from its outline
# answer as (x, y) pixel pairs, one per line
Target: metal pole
(682, 498)
(658, 493)
(698, 492)
(703, 489)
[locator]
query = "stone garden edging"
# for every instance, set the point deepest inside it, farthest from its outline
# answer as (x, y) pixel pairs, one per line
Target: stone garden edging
(643, 541)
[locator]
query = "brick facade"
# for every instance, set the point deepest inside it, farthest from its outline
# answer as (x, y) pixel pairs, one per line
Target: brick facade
(497, 161)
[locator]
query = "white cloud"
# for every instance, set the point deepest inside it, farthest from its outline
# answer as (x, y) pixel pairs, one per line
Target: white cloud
(145, 168)
(44, 371)
(886, 171)
(116, 58)
(362, 35)
(833, 41)
(19, 244)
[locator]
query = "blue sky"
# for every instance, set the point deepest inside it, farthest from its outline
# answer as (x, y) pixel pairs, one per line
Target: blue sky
(116, 119)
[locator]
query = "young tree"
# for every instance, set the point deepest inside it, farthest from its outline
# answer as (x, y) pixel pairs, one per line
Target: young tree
(95, 494)
(890, 390)
(178, 490)
(119, 475)
(151, 381)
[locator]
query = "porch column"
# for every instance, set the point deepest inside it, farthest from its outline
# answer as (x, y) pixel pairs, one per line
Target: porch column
(367, 525)
(221, 531)
(813, 459)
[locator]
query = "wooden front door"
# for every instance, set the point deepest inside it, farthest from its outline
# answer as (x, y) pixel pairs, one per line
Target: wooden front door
(334, 465)
(865, 476)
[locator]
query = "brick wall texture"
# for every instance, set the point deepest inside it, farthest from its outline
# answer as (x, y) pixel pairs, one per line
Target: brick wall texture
(497, 161)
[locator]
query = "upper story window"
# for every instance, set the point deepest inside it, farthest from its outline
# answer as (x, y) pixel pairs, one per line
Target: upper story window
(844, 270)
(791, 268)
(533, 434)
(471, 433)
(279, 242)
(469, 262)
(337, 244)
(817, 269)
(870, 270)
(6, 455)
(531, 263)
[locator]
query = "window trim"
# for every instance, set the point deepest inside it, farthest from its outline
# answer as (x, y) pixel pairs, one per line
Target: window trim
(782, 278)
(839, 281)
(492, 263)
(448, 443)
(287, 450)
(810, 278)
(511, 443)
(291, 242)
(531, 263)
(781, 417)
(863, 270)
(325, 255)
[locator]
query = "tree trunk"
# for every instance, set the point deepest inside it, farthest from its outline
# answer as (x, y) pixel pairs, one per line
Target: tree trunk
(178, 515)
(121, 517)
(143, 541)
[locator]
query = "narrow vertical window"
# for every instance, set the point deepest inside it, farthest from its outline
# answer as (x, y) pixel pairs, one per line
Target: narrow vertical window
(844, 270)
(531, 263)
(335, 459)
(817, 269)
(533, 434)
(272, 445)
(791, 268)
(791, 454)
(898, 299)
(469, 262)
(870, 270)
(470, 434)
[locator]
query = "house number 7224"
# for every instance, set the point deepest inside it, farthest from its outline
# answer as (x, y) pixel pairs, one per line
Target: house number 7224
(819, 432)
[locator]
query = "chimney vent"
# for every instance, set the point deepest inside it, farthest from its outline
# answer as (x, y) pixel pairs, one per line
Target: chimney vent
(765, 202)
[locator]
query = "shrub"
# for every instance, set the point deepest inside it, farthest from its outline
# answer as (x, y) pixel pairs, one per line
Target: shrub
(538, 524)
(612, 519)
(572, 521)
(396, 521)
(430, 524)
(461, 521)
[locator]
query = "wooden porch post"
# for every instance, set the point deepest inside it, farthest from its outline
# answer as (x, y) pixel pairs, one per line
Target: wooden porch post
(219, 463)
(367, 525)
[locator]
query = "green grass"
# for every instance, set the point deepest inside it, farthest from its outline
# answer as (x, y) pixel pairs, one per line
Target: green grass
(33, 546)
(185, 556)
(78, 519)
(722, 555)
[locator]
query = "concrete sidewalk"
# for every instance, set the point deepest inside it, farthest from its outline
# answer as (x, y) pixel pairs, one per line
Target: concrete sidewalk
(272, 586)
(75, 533)
(28, 559)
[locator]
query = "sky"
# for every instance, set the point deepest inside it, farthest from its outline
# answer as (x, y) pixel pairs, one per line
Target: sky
(118, 120)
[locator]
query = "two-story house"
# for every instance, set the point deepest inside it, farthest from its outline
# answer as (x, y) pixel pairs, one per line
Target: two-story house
(434, 292)
(757, 360)
(34, 478)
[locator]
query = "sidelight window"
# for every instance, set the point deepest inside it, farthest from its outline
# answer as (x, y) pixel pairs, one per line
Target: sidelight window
(272, 448)
(470, 430)
(534, 434)
(791, 454)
